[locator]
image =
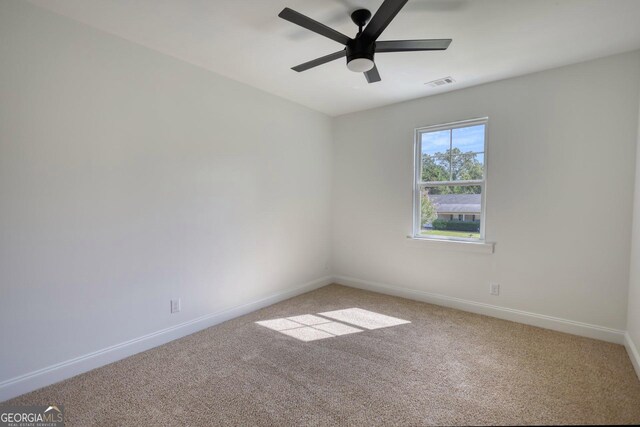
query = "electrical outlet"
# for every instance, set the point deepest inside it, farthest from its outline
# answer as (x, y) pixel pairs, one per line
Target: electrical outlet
(494, 289)
(175, 305)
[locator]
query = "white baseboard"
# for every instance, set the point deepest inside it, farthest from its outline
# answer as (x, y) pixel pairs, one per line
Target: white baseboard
(528, 318)
(52, 374)
(634, 352)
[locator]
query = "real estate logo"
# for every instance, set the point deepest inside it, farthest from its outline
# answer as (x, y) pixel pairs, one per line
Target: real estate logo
(32, 416)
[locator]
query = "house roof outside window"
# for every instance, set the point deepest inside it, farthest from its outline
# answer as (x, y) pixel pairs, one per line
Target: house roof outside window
(457, 203)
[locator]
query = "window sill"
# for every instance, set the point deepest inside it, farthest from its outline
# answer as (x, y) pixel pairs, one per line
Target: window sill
(479, 246)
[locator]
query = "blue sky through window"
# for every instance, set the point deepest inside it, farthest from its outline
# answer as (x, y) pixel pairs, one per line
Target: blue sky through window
(467, 139)
(435, 142)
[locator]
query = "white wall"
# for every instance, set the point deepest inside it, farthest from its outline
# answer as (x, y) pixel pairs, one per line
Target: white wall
(561, 144)
(128, 178)
(633, 311)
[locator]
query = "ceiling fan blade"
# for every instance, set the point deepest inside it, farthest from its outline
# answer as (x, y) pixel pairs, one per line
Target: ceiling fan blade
(315, 26)
(383, 17)
(372, 75)
(320, 61)
(412, 45)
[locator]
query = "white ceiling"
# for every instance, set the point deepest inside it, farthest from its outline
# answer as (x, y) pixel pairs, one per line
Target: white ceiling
(246, 41)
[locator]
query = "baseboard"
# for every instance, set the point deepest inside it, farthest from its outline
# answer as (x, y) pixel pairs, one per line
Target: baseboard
(528, 318)
(69, 368)
(634, 352)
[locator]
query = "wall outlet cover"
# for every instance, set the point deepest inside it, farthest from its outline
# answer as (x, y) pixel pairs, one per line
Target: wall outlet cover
(175, 305)
(494, 289)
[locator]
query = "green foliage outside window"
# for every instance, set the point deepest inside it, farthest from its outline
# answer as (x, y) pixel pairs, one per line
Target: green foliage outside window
(428, 211)
(452, 165)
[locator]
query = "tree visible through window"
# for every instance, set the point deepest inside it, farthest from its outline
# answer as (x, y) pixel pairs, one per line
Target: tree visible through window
(450, 180)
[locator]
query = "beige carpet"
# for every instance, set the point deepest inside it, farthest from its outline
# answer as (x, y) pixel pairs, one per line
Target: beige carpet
(446, 367)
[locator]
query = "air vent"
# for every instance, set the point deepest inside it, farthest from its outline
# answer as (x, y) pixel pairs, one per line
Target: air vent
(441, 82)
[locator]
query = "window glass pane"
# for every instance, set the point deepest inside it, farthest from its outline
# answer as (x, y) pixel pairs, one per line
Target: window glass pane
(451, 211)
(435, 156)
(453, 155)
(467, 152)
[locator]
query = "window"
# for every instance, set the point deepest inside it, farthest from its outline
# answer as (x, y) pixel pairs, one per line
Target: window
(450, 180)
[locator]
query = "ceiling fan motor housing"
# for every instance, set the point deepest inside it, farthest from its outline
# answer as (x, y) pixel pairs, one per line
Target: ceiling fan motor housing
(359, 48)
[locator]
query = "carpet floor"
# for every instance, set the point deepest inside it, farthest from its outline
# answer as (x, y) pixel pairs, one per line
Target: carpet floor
(341, 356)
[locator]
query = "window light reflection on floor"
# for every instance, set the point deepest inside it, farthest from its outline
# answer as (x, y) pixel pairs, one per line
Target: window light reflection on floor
(364, 318)
(309, 327)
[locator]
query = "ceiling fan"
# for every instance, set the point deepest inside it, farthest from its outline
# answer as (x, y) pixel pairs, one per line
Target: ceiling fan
(361, 49)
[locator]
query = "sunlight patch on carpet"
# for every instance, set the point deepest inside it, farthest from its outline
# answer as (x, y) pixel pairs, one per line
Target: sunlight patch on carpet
(364, 318)
(309, 327)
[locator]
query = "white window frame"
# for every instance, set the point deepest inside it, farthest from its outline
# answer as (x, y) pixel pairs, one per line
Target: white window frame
(418, 184)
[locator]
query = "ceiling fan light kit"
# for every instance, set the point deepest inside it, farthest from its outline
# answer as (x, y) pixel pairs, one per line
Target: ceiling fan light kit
(361, 49)
(360, 65)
